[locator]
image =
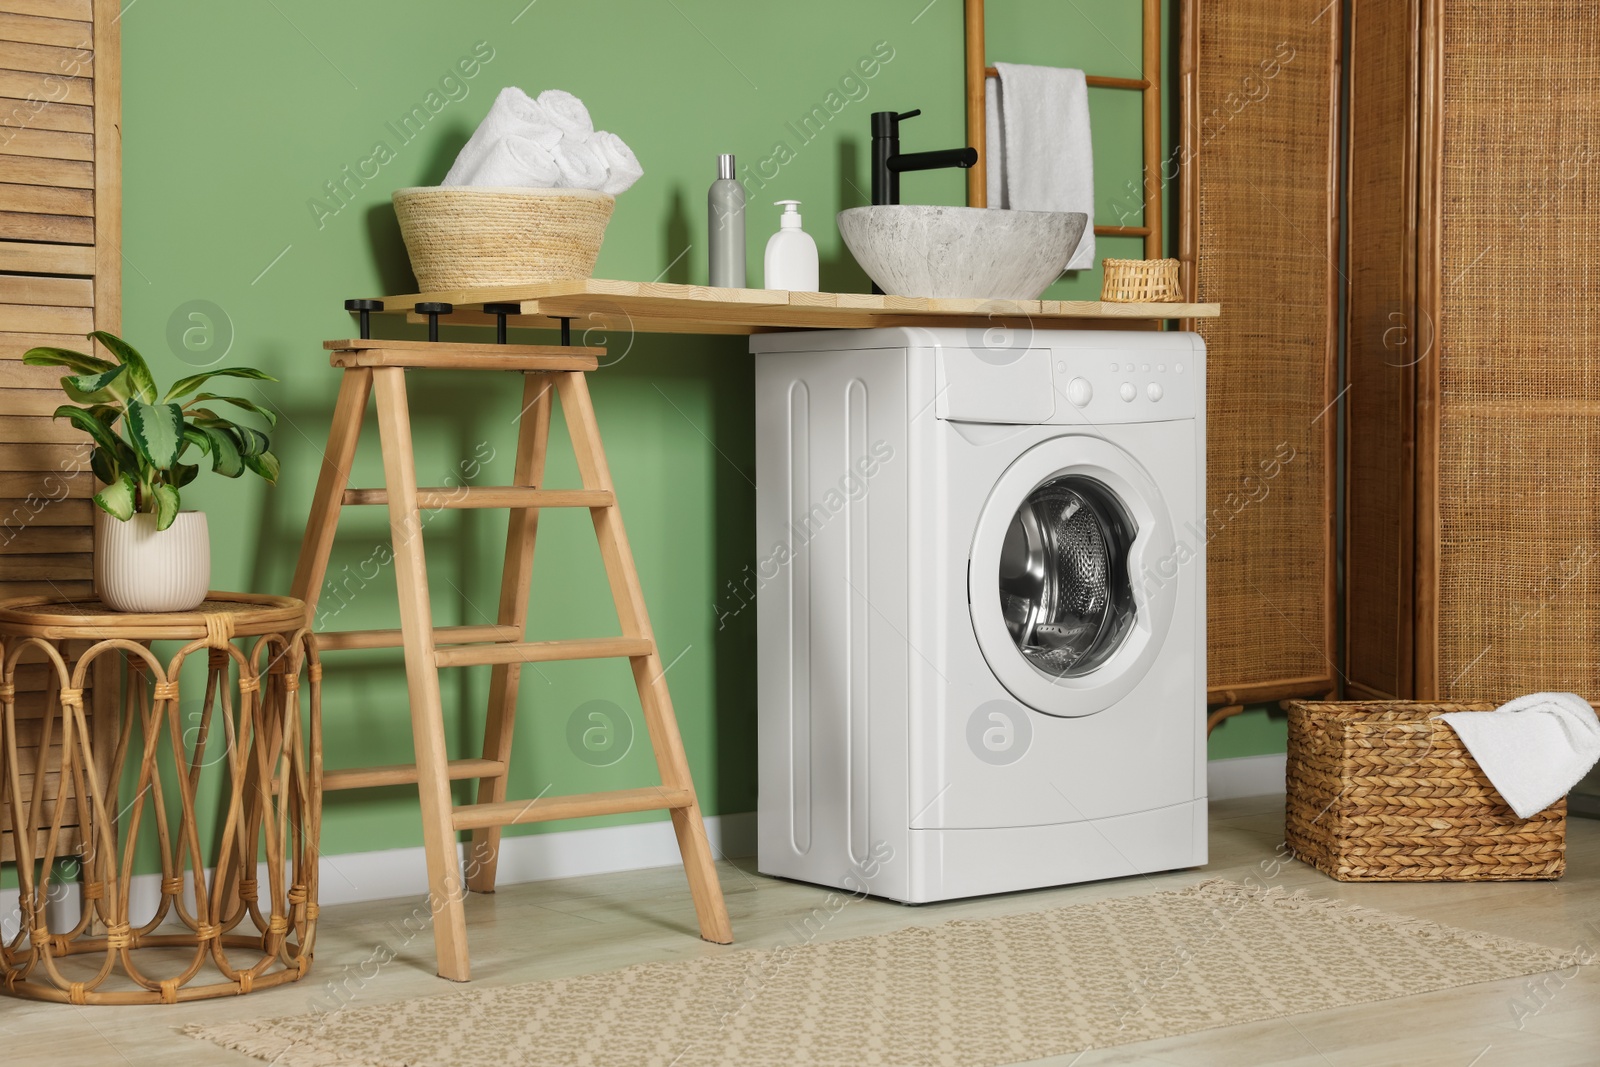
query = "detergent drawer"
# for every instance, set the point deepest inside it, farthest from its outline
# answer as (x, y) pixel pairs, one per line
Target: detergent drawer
(1002, 385)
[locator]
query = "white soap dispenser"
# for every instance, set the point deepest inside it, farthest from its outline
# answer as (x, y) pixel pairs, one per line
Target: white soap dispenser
(791, 260)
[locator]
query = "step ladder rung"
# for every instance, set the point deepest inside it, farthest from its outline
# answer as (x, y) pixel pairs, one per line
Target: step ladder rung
(346, 640)
(544, 651)
(450, 356)
(499, 496)
(406, 774)
(576, 806)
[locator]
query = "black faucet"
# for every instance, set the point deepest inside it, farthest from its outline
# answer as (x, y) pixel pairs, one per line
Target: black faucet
(888, 161)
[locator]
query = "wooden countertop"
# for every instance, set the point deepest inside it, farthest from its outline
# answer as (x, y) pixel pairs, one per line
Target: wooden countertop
(662, 307)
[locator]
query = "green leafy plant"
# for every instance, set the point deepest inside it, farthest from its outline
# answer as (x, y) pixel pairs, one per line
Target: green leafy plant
(141, 434)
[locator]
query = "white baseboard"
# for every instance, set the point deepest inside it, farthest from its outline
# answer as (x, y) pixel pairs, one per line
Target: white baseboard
(1245, 776)
(401, 872)
(354, 877)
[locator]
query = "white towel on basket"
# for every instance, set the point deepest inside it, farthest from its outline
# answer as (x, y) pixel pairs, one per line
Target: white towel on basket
(548, 143)
(1038, 150)
(517, 161)
(1533, 749)
(513, 114)
(567, 113)
(622, 167)
(581, 164)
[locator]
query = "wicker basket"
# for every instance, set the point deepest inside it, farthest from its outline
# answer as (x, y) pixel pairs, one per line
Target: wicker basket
(1140, 281)
(461, 237)
(1381, 791)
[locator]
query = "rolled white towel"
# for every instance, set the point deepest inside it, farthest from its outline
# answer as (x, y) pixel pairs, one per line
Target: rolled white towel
(581, 164)
(566, 112)
(622, 165)
(513, 114)
(545, 136)
(522, 106)
(517, 161)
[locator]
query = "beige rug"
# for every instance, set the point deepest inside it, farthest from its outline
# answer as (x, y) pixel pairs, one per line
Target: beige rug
(969, 993)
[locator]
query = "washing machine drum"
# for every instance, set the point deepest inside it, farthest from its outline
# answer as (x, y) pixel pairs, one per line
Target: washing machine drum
(1064, 585)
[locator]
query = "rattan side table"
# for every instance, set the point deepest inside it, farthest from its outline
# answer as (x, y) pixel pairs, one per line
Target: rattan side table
(211, 791)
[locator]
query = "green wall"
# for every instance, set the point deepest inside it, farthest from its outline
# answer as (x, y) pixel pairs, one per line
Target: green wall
(236, 116)
(1257, 731)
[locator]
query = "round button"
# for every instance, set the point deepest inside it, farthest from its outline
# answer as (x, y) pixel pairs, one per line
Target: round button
(1147, 368)
(1161, 368)
(1178, 367)
(1061, 365)
(1128, 392)
(1154, 391)
(1128, 367)
(1080, 392)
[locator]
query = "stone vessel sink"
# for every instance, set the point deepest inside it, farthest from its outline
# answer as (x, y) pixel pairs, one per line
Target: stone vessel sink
(929, 250)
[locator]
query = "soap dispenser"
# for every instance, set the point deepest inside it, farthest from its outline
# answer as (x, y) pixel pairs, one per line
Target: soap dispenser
(791, 260)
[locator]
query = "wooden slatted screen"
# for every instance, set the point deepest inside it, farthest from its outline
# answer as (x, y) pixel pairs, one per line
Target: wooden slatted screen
(1260, 135)
(60, 277)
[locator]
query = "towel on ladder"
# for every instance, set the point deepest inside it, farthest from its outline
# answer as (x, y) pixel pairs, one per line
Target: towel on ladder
(1038, 148)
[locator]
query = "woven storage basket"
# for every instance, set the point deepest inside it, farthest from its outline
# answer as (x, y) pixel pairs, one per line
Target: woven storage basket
(1380, 791)
(1140, 281)
(460, 237)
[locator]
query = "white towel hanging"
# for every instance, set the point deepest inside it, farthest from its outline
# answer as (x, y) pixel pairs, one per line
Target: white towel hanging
(1040, 155)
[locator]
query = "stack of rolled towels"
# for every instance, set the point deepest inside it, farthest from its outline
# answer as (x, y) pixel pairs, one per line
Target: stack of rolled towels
(544, 143)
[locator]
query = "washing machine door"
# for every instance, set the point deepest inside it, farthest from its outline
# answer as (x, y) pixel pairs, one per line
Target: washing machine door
(1068, 604)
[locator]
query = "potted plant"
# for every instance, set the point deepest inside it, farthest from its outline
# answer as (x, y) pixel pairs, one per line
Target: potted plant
(150, 555)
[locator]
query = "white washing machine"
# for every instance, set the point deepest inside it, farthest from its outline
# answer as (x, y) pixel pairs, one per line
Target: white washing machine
(981, 607)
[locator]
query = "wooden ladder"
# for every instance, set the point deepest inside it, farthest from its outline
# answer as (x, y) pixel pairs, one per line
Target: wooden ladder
(380, 366)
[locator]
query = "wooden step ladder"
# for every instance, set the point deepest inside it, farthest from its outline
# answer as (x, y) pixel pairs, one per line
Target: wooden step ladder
(380, 367)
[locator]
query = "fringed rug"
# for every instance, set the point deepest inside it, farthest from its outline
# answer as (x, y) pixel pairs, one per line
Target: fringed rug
(969, 993)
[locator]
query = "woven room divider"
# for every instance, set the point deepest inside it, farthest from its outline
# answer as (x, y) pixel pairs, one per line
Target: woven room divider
(1475, 157)
(1383, 349)
(60, 277)
(1259, 116)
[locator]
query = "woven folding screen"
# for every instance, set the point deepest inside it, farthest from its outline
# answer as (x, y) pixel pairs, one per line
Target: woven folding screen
(1515, 590)
(1260, 132)
(1503, 591)
(1385, 344)
(60, 277)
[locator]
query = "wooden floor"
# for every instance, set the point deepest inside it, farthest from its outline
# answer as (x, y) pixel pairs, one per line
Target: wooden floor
(553, 929)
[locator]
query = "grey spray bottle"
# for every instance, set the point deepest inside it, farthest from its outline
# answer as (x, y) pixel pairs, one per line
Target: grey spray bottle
(725, 220)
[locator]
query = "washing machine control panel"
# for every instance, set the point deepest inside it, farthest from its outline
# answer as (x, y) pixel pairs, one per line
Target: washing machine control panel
(1124, 386)
(1034, 377)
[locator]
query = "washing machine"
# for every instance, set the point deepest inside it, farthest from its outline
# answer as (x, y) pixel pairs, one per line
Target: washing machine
(980, 597)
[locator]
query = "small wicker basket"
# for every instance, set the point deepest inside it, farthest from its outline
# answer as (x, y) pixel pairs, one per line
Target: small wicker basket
(460, 237)
(1381, 791)
(1140, 281)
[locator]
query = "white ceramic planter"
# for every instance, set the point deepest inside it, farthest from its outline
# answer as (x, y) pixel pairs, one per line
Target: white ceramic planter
(140, 568)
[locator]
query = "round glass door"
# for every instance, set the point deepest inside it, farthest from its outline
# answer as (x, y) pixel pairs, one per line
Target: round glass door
(1065, 581)
(1064, 587)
